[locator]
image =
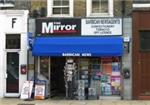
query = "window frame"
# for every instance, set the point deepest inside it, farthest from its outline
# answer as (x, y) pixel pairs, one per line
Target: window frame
(142, 39)
(50, 9)
(14, 38)
(89, 10)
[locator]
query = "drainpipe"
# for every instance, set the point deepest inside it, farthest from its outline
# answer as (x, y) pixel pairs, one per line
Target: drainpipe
(122, 16)
(123, 8)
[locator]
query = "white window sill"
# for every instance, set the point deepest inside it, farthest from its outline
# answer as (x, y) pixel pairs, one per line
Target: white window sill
(61, 16)
(141, 5)
(100, 15)
(6, 5)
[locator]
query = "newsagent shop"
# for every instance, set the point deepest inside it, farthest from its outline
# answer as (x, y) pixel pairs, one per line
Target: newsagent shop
(80, 58)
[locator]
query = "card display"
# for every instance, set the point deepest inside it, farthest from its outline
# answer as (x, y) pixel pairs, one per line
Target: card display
(101, 77)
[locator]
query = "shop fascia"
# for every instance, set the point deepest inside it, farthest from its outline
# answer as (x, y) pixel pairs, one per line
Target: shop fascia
(52, 27)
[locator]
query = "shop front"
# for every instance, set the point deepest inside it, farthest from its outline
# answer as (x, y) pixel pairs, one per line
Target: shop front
(76, 66)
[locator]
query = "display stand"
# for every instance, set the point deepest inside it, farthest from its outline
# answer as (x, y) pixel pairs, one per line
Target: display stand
(69, 73)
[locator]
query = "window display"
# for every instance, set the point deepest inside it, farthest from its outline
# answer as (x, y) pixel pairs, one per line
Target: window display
(101, 76)
(44, 67)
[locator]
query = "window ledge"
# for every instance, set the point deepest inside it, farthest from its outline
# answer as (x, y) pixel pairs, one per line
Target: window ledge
(6, 5)
(141, 5)
(100, 15)
(61, 16)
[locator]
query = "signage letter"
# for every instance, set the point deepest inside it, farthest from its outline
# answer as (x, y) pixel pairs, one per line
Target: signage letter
(47, 28)
(13, 21)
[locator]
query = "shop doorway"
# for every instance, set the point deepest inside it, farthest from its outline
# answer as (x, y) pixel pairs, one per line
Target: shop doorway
(57, 83)
(12, 80)
(12, 58)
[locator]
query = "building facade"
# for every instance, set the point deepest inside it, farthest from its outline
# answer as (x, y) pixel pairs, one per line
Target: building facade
(112, 68)
(13, 51)
(141, 28)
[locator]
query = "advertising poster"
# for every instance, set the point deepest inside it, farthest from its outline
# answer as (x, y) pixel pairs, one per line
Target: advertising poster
(26, 90)
(39, 92)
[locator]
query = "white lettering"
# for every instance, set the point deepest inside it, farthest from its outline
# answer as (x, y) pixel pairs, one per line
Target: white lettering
(73, 27)
(76, 54)
(51, 27)
(62, 27)
(68, 27)
(47, 28)
(70, 54)
(86, 54)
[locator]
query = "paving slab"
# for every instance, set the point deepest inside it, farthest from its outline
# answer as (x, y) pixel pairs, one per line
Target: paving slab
(17, 101)
(108, 102)
(78, 102)
(95, 102)
(138, 102)
(147, 102)
(123, 102)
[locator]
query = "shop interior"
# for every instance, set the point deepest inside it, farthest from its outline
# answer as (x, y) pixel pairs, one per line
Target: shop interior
(57, 87)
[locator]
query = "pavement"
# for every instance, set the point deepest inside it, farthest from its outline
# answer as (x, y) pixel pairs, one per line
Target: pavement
(17, 101)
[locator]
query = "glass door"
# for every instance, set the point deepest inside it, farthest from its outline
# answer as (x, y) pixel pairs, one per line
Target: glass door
(12, 80)
(12, 47)
(44, 72)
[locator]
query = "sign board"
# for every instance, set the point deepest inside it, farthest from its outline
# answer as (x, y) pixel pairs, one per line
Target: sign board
(30, 40)
(26, 90)
(39, 92)
(77, 54)
(126, 39)
(58, 27)
(101, 27)
(23, 68)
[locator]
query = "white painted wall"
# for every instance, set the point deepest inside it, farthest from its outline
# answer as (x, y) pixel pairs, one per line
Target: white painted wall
(20, 27)
(1, 62)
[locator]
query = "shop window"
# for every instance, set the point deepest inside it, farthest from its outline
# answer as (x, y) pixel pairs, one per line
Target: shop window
(145, 40)
(44, 67)
(13, 41)
(99, 8)
(99, 77)
(7, 3)
(60, 8)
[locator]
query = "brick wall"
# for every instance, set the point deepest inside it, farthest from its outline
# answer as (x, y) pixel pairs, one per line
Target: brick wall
(79, 8)
(37, 4)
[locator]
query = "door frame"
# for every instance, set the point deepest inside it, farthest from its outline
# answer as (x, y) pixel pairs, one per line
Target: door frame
(49, 71)
(5, 74)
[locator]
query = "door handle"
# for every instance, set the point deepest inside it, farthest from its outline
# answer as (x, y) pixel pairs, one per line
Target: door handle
(139, 62)
(6, 75)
